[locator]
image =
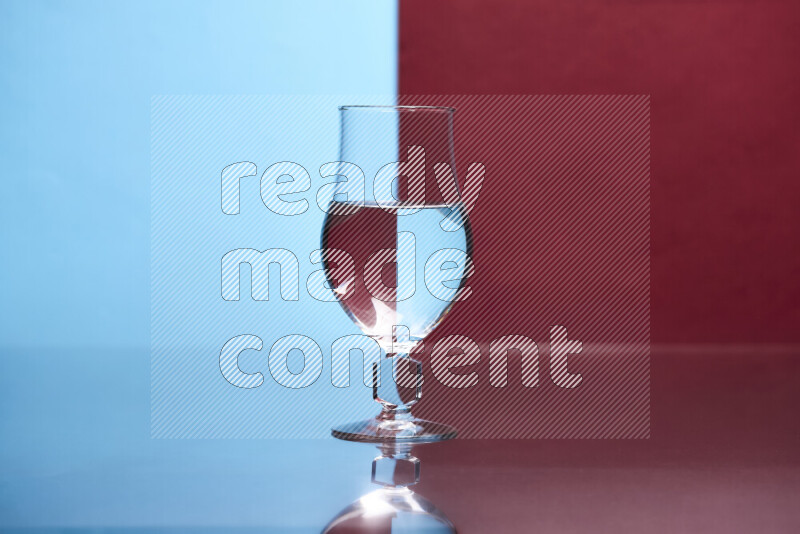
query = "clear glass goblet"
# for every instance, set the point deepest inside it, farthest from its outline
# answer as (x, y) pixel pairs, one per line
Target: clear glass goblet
(396, 213)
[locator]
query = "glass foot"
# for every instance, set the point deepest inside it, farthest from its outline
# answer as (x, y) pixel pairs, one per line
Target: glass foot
(394, 430)
(391, 510)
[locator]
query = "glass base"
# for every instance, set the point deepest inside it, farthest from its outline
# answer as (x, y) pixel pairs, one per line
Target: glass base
(384, 429)
(391, 510)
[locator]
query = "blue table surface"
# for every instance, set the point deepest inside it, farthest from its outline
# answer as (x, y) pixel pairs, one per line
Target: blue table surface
(86, 461)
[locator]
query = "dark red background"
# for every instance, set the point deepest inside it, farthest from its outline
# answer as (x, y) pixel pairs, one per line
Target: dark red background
(725, 137)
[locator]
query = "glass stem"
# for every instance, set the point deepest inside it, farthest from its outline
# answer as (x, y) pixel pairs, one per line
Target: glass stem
(387, 391)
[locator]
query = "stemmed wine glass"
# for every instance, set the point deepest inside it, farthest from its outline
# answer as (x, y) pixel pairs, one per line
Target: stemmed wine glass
(396, 212)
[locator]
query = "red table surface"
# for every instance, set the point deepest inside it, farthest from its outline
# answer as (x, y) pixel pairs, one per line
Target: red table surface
(723, 456)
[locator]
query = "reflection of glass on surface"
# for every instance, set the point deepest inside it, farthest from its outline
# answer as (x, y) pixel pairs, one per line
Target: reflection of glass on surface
(394, 507)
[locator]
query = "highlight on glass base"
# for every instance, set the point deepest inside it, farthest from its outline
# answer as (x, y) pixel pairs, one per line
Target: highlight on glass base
(400, 389)
(382, 430)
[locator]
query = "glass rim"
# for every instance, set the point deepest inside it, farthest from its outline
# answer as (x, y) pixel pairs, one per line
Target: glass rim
(357, 107)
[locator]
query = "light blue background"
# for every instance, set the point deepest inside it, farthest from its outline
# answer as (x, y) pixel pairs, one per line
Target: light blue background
(194, 139)
(77, 79)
